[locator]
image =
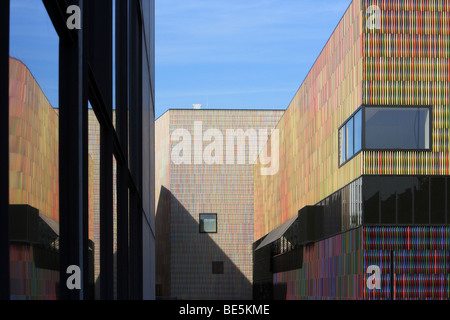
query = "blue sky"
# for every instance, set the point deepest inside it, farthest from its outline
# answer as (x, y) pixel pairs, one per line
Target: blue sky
(220, 53)
(238, 54)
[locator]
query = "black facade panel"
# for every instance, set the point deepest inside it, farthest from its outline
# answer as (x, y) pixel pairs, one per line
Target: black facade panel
(135, 148)
(448, 200)
(371, 200)
(437, 200)
(336, 212)
(26, 226)
(23, 224)
(388, 200)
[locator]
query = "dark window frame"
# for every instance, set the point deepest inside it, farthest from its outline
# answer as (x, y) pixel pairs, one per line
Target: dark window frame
(218, 267)
(413, 195)
(80, 82)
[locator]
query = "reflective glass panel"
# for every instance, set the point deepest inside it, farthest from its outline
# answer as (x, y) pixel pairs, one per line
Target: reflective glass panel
(397, 128)
(405, 199)
(208, 223)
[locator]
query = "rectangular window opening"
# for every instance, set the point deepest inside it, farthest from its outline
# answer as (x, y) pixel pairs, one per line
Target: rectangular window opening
(397, 128)
(208, 223)
(217, 267)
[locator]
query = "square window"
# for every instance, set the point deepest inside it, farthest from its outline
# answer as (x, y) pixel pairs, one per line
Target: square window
(358, 129)
(208, 223)
(217, 267)
(349, 128)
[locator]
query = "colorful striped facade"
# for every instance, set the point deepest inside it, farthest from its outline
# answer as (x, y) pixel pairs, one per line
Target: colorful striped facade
(186, 257)
(382, 53)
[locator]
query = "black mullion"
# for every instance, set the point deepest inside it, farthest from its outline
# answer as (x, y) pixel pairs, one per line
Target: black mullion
(413, 202)
(122, 232)
(396, 206)
(73, 156)
(135, 140)
(4, 145)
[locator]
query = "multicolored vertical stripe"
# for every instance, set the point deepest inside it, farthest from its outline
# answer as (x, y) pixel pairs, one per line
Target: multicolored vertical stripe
(185, 191)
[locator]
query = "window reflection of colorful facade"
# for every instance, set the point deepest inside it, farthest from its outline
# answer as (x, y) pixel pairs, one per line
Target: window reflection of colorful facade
(381, 54)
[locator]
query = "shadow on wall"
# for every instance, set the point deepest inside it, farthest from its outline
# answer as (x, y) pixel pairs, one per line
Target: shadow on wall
(190, 264)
